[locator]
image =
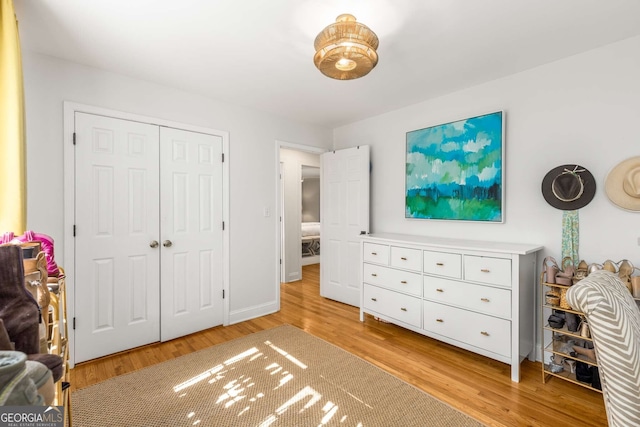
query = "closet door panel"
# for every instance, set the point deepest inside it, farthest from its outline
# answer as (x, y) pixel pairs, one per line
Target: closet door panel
(116, 217)
(191, 224)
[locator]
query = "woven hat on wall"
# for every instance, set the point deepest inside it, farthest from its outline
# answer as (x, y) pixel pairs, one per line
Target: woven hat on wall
(622, 184)
(568, 187)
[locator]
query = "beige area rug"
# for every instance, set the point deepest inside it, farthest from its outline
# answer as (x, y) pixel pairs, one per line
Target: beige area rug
(278, 377)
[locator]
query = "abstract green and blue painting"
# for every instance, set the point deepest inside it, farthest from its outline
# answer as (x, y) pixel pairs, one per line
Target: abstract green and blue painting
(454, 171)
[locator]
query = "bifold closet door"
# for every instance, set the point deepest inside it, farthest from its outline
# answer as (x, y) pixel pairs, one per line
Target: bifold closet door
(191, 230)
(117, 295)
(149, 239)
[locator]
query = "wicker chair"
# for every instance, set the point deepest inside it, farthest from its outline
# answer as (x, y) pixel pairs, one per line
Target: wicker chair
(614, 322)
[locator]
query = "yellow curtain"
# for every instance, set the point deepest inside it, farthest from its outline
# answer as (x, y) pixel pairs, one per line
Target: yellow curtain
(13, 203)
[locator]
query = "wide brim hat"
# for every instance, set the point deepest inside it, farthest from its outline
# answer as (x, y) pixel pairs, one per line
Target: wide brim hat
(622, 184)
(568, 187)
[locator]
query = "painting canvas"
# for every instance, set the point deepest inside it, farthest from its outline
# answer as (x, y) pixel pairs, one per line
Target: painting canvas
(454, 171)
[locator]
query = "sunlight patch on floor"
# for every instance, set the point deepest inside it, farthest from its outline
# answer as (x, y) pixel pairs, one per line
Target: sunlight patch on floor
(287, 355)
(240, 388)
(208, 373)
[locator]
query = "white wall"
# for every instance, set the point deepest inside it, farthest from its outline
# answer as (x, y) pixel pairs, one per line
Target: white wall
(49, 82)
(583, 109)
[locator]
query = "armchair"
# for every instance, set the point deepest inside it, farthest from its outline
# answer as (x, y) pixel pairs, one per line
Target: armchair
(614, 321)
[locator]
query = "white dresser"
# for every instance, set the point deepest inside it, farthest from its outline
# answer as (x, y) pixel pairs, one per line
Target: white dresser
(476, 295)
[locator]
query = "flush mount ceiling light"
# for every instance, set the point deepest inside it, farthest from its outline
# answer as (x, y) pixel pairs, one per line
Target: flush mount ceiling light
(346, 50)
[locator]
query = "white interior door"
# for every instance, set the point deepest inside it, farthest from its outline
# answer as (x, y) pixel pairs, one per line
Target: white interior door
(192, 235)
(116, 216)
(345, 215)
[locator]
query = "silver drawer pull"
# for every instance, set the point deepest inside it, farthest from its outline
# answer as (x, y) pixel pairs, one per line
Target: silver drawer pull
(404, 282)
(439, 320)
(486, 334)
(403, 258)
(484, 299)
(374, 253)
(373, 299)
(374, 274)
(485, 270)
(440, 264)
(439, 290)
(403, 309)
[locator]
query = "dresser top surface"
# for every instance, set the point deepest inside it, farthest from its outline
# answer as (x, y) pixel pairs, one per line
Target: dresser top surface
(460, 244)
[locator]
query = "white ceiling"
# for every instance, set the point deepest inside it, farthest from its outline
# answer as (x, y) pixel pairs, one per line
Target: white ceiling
(258, 53)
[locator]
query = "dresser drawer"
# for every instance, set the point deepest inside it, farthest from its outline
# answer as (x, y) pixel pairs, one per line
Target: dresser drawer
(479, 330)
(407, 258)
(494, 271)
(443, 264)
(403, 281)
(483, 299)
(373, 252)
(399, 306)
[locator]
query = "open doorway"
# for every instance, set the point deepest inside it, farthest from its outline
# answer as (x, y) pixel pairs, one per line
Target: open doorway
(344, 193)
(300, 211)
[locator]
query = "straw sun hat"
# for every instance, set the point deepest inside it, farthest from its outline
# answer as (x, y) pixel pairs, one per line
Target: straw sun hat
(623, 184)
(568, 187)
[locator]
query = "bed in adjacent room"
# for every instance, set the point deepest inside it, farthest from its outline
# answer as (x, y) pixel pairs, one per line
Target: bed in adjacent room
(310, 233)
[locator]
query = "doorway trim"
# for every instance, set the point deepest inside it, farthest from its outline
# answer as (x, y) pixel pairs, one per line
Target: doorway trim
(278, 203)
(69, 110)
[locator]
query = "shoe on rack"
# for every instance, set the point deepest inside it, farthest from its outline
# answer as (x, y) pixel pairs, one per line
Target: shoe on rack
(17, 387)
(551, 268)
(609, 266)
(588, 352)
(582, 271)
(18, 308)
(625, 270)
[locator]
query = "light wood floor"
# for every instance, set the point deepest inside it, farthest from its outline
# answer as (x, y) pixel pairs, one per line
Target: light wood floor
(476, 385)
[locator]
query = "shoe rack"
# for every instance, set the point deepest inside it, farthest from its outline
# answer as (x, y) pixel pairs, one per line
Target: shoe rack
(58, 340)
(563, 348)
(556, 342)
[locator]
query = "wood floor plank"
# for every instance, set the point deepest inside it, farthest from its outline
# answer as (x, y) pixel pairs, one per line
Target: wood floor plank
(478, 386)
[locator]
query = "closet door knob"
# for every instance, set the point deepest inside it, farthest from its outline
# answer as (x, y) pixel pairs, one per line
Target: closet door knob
(167, 243)
(153, 244)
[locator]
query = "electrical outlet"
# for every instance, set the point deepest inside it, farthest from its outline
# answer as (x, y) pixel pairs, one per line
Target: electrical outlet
(266, 212)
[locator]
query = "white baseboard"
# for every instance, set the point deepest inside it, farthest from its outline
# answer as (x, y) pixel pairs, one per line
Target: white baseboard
(253, 312)
(308, 260)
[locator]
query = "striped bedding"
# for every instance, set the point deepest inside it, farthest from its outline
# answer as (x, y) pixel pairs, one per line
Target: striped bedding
(614, 321)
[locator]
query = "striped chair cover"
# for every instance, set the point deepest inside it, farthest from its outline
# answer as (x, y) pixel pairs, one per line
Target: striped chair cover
(614, 321)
